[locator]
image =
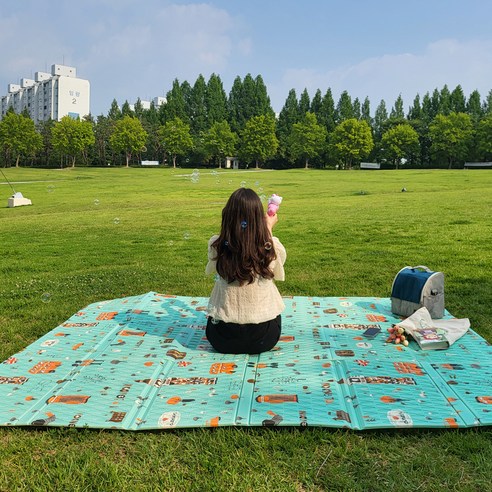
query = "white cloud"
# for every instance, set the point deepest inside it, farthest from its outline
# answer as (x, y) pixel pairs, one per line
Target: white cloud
(245, 46)
(142, 59)
(447, 61)
(128, 50)
(25, 48)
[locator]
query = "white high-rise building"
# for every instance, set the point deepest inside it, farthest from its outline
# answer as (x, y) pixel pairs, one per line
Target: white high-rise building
(53, 95)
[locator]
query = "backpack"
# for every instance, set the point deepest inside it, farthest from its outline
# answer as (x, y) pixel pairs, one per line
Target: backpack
(416, 287)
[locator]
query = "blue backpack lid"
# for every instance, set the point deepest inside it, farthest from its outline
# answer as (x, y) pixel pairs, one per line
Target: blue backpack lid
(409, 283)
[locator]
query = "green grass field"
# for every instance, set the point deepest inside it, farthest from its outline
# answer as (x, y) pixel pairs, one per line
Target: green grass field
(95, 234)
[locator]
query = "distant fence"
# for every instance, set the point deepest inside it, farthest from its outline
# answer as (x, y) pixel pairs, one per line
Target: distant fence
(370, 165)
(150, 163)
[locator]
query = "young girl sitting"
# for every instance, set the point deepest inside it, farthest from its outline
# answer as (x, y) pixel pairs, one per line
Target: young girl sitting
(245, 305)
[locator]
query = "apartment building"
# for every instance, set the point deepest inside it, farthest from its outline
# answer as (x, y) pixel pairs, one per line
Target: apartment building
(50, 95)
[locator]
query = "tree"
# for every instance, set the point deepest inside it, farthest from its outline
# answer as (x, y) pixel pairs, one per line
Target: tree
(216, 101)
(220, 141)
(484, 137)
(304, 103)
(128, 136)
(89, 153)
(259, 142)
(357, 111)
(234, 103)
(151, 125)
(351, 141)
(287, 117)
(316, 103)
(419, 117)
(397, 117)
(415, 112)
(474, 106)
(427, 113)
(380, 118)
(307, 139)
(45, 130)
(18, 137)
(445, 101)
(450, 136)
(71, 137)
(187, 93)
(365, 111)
(399, 142)
(247, 98)
(327, 113)
(138, 109)
(262, 99)
(126, 110)
(488, 103)
(176, 138)
(435, 102)
(345, 109)
(102, 134)
(198, 108)
(397, 112)
(457, 100)
(114, 112)
(249, 103)
(175, 106)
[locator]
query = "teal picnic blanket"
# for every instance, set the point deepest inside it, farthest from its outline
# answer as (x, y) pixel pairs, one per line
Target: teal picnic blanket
(143, 362)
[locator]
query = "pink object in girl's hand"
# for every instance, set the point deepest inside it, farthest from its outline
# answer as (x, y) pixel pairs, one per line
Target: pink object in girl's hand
(273, 204)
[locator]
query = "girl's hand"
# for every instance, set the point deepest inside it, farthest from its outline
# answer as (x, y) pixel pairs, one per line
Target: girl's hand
(271, 220)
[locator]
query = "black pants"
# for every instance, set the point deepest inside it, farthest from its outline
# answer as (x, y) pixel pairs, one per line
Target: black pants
(233, 338)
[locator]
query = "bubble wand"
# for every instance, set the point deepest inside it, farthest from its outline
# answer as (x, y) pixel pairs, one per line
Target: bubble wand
(273, 204)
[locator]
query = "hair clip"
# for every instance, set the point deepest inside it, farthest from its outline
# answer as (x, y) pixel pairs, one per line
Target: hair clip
(244, 224)
(268, 245)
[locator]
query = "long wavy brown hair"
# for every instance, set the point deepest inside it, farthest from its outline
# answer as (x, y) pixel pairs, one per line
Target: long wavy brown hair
(244, 247)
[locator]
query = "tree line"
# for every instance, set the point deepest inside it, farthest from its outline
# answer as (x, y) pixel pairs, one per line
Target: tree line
(201, 125)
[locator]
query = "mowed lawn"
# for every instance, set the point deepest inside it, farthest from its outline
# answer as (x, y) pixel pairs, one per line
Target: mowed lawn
(95, 234)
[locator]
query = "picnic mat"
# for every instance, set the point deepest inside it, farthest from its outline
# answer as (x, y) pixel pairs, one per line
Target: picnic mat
(143, 362)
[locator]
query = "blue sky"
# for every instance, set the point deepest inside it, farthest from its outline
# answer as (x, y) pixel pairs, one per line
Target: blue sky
(136, 48)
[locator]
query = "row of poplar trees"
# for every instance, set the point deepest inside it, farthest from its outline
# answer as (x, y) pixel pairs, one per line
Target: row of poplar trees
(202, 125)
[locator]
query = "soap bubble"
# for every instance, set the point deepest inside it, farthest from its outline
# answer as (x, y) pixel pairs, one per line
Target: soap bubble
(230, 181)
(50, 188)
(260, 190)
(96, 202)
(195, 176)
(186, 236)
(214, 173)
(263, 197)
(116, 220)
(46, 297)
(171, 243)
(257, 183)
(243, 184)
